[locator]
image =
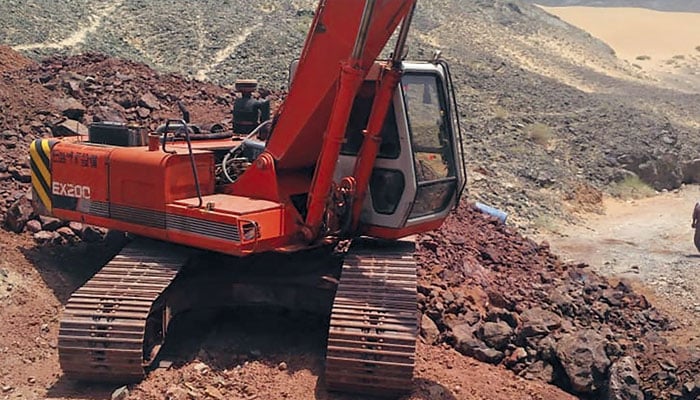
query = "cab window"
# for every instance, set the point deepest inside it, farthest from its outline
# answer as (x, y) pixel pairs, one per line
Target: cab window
(431, 140)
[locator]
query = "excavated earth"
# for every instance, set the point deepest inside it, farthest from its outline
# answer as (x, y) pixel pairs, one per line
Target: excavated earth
(502, 316)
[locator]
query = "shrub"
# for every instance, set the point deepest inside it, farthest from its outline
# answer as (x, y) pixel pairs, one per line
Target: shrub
(539, 133)
(631, 188)
(500, 113)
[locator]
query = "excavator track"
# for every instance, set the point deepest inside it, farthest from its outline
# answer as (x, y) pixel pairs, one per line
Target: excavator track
(373, 328)
(113, 326)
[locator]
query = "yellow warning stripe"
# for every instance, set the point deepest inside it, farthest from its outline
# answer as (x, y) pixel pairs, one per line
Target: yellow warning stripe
(33, 153)
(45, 200)
(41, 172)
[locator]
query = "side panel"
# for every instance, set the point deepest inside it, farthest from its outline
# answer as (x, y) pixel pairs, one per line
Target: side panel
(80, 177)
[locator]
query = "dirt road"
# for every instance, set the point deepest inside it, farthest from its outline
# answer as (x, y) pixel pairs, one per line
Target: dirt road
(649, 241)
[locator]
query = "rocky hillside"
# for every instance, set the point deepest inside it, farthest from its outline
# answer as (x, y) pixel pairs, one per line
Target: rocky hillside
(552, 117)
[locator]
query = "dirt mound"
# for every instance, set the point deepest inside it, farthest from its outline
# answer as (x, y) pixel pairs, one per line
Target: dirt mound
(11, 60)
(502, 298)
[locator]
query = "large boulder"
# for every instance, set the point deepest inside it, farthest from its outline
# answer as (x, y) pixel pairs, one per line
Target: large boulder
(496, 334)
(623, 383)
(582, 355)
(538, 322)
(429, 330)
(18, 214)
(467, 343)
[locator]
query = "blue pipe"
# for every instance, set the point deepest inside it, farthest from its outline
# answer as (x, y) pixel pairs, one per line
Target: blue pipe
(501, 216)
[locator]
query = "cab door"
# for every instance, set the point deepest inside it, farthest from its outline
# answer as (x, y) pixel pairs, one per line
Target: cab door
(415, 177)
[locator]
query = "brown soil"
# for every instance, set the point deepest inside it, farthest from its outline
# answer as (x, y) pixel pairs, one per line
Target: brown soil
(242, 358)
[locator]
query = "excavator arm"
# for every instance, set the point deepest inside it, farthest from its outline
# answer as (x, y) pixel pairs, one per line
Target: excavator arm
(297, 137)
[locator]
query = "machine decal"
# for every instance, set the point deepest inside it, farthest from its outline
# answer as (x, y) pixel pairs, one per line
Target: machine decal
(39, 157)
(71, 190)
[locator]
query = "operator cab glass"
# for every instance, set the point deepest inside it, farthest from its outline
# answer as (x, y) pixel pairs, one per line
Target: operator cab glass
(431, 142)
(416, 176)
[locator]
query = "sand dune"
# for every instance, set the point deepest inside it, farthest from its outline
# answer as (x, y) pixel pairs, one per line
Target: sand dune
(633, 32)
(665, 44)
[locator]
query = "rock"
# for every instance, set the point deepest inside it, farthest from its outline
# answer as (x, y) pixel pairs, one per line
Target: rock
(6, 388)
(691, 171)
(539, 370)
(465, 340)
(538, 322)
(282, 366)
(175, 392)
(69, 128)
(582, 355)
(428, 330)
(33, 226)
(67, 233)
(50, 223)
(691, 389)
(518, 355)
(143, 112)
(201, 367)
(214, 393)
(121, 393)
(113, 112)
(19, 213)
(90, 234)
(496, 334)
(46, 236)
(564, 303)
(436, 391)
(468, 344)
(546, 348)
(623, 382)
(76, 227)
(488, 355)
(150, 101)
(70, 107)
(668, 364)
(23, 175)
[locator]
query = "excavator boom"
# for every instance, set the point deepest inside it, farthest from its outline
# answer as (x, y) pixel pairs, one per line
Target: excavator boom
(298, 134)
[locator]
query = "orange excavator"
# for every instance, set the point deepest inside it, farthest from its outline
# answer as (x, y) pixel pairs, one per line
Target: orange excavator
(362, 154)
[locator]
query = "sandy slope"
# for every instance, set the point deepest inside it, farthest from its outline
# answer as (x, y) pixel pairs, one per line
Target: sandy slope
(664, 44)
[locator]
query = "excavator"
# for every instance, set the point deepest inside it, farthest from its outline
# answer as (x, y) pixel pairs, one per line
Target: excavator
(362, 155)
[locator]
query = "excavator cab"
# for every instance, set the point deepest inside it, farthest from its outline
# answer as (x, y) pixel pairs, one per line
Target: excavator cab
(418, 175)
